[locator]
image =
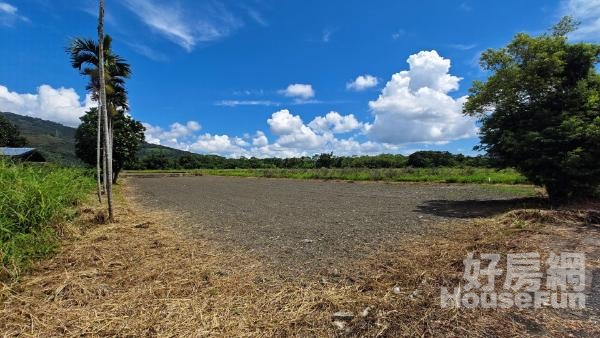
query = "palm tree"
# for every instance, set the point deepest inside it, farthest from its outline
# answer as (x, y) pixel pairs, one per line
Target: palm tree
(107, 73)
(85, 57)
(103, 104)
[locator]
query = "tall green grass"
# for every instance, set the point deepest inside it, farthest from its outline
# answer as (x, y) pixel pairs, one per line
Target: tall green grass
(32, 200)
(439, 175)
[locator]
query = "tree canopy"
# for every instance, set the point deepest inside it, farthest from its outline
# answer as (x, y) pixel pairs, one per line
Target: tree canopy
(155, 157)
(128, 136)
(540, 110)
(10, 136)
(85, 57)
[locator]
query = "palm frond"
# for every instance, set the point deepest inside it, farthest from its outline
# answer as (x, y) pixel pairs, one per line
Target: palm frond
(83, 51)
(84, 56)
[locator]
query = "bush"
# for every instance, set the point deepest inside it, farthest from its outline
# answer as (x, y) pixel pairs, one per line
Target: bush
(32, 199)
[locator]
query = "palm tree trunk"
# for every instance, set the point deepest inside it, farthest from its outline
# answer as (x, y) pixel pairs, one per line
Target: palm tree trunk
(110, 142)
(104, 156)
(107, 142)
(110, 128)
(99, 156)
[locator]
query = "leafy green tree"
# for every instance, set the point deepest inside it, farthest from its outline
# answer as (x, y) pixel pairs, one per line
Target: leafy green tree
(10, 136)
(540, 110)
(430, 159)
(324, 160)
(128, 136)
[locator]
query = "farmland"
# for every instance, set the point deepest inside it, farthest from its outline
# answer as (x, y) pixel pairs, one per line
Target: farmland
(239, 256)
(307, 226)
(437, 175)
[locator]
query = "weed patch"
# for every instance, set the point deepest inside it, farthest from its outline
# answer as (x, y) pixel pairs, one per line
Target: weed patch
(34, 200)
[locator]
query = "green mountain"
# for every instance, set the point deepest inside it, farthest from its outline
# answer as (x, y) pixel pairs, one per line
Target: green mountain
(57, 142)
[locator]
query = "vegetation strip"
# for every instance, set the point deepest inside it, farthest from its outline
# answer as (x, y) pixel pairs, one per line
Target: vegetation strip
(438, 175)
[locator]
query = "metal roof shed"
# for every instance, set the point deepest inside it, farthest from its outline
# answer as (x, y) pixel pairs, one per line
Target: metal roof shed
(23, 154)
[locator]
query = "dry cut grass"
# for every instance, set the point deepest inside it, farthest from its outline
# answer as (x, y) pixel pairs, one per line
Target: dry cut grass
(139, 277)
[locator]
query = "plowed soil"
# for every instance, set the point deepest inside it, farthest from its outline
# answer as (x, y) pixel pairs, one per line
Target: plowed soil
(308, 226)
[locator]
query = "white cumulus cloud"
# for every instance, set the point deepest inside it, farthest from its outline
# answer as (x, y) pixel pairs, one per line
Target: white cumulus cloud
(335, 123)
(282, 122)
(293, 132)
(362, 82)
(184, 136)
(299, 91)
(219, 144)
(175, 136)
(260, 140)
(62, 105)
(415, 105)
(292, 138)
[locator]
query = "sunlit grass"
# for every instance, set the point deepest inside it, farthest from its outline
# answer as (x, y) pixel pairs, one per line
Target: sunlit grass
(32, 200)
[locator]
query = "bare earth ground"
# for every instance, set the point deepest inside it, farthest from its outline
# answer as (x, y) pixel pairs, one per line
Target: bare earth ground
(163, 270)
(309, 226)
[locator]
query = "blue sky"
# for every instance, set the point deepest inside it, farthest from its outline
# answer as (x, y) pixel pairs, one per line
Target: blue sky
(277, 78)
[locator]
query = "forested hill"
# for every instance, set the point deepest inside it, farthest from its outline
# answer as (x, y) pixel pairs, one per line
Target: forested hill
(57, 142)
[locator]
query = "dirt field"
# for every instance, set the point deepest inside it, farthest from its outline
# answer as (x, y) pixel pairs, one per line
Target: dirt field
(306, 226)
(140, 276)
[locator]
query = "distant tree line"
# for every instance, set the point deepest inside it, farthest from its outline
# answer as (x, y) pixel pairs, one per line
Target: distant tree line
(421, 159)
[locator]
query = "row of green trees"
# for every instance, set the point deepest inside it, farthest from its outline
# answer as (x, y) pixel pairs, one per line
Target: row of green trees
(420, 159)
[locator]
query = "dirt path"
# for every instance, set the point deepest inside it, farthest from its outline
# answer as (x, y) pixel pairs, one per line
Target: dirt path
(313, 226)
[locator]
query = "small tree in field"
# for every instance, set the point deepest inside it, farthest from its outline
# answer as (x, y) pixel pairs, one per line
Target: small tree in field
(540, 111)
(128, 136)
(10, 136)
